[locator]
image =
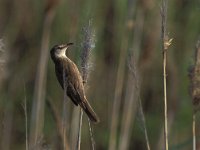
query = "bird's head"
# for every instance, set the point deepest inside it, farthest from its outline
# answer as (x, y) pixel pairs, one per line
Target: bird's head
(59, 50)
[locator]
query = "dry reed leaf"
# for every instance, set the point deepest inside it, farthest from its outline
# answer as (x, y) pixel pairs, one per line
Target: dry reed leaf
(167, 43)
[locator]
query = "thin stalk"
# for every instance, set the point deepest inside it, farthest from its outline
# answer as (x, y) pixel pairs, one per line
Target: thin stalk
(165, 98)
(79, 131)
(136, 89)
(64, 119)
(26, 118)
(165, 44)
(129, 112)
(74, 126)
(194, 131)
(64, 128)
(144, 124)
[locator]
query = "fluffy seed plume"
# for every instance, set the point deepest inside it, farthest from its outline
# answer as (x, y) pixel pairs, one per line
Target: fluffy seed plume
(87, 45)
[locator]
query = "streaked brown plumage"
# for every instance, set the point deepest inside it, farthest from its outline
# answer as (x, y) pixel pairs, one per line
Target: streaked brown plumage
(73, 80)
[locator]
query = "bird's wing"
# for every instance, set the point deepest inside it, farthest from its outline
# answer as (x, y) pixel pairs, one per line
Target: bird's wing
(75, 89)
(76, 80)
(59, 75)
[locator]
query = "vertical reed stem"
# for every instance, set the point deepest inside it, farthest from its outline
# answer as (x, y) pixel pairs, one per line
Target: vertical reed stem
(165, 98)
(194, 131)
(37, 119)
(26, 117)
(64, 119)
(79, 131)
(165, 44)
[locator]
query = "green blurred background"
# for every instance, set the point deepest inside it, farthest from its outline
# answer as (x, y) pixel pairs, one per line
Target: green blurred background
(120, 28)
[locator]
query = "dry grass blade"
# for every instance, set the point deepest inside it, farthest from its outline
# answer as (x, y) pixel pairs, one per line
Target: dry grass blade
(131, 96)
(143, 122)
(165, 43)
(134, 72)
(129, 113)
(37, 119)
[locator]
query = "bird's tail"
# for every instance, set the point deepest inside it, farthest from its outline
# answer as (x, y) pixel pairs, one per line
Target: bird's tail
(89, 111)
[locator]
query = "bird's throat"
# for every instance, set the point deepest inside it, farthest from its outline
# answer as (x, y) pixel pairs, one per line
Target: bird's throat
(62, 54)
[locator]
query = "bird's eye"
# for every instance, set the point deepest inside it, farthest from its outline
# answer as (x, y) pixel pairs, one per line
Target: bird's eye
(60, 47)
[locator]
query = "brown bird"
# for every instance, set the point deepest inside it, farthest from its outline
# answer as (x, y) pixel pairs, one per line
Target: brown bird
(72, 83)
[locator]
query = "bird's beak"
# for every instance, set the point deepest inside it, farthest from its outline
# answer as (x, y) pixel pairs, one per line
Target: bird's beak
(68, 44)
(65, 46)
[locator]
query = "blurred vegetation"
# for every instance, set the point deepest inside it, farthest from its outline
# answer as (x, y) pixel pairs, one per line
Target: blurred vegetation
(122, 27)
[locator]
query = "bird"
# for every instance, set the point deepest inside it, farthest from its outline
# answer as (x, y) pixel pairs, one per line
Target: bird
(70, 79)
